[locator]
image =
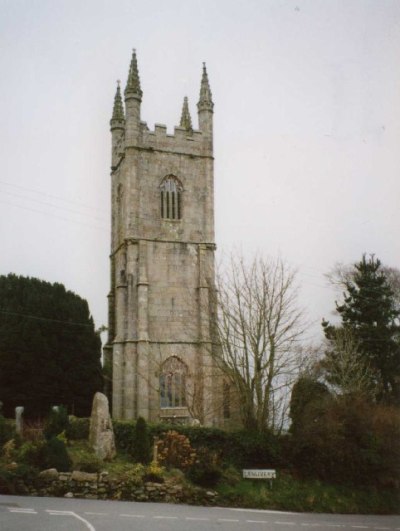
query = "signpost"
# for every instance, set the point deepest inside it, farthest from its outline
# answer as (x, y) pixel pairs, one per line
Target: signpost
(268, 473)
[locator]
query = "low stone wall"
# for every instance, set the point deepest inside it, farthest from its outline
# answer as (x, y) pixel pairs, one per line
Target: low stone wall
(101, 487)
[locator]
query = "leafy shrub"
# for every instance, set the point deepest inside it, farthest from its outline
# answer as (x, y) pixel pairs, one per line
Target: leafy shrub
(124, 432)
(88, 463)
(153, 473)
(8, 452)
(83, 457)
(239, 448)
(205, 475)
(134, 476)
(348, 440)
(32, 453)
(78, 428)
(306, 391)
(43, 454)
(6, 430)
(212, 438)
(175, 451)
(56, 455)
(249, 449)
(205, 471)
(56, 422)
(231, 476)
(142, 448)
(10, 474)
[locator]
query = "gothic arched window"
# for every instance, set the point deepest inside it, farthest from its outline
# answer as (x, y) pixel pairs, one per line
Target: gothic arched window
(173, 383)
(171, 198)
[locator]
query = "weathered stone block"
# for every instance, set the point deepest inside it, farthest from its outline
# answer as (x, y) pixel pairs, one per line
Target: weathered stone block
(49, 475)
(83, 477)
(101, 434)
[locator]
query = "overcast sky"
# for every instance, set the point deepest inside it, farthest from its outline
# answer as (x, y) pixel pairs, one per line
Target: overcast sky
(307, 128)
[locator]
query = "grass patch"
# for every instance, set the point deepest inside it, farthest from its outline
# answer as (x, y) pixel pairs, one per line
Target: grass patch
(288, 493)
(84, 459)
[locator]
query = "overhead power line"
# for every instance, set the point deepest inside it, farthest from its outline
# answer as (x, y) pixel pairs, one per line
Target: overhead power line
(50, 214)
(52, 205)
(77, 203)
(38, 318)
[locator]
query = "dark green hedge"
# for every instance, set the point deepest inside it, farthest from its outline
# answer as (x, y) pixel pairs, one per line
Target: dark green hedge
(7, 430)
(240, 448)
(78, 428)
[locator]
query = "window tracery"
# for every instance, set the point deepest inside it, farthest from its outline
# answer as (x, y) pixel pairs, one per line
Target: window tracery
(171, 198)
(173, 383)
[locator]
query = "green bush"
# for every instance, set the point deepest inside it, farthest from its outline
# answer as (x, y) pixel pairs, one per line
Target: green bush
(56, 455)
(231, 476)
(124, 432)
(56, 422)
(175, 451)
(78, 428)
(204, 474)
(240, 448)
(206, 471)
(6, 430)
(348, 440)
(142, 446)
(10, 475)
(33, 453)
(88, 463)
(43, 454)
(248, 449)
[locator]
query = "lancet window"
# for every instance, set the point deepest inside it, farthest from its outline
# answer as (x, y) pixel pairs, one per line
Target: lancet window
(173, 383)
(171, 198)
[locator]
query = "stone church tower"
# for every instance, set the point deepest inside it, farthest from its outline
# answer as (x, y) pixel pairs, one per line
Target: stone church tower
(162, 263)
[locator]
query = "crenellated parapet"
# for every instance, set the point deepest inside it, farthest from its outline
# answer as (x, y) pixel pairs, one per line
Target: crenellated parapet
(192, 143)
(130, 132)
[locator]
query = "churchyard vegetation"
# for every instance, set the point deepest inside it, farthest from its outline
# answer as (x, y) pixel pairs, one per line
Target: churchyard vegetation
(341, 451)
(49, 350)
(368, 334)
(142, 446)
(345, 417)
(216, 462)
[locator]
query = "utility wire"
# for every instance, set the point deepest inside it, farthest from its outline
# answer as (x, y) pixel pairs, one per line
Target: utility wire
(51, 196)
(54, 216)
(45, 319)
(52, 205)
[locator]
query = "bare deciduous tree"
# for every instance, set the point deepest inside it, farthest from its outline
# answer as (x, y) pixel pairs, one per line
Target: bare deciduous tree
(344, 367)
(343, 274)
(259, 326)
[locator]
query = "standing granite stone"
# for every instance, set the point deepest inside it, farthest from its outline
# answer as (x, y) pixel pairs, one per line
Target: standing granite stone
(101, 434)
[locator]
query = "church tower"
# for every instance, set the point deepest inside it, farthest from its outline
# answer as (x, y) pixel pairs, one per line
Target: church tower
(161, 302)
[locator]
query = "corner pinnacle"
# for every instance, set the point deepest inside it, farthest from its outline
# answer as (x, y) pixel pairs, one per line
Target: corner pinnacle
(205, 101)
(118, 109)
(133, 83)
(186, 120)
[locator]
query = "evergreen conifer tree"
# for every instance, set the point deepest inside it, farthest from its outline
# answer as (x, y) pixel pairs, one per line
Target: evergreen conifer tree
(49, 350)
(369, 312)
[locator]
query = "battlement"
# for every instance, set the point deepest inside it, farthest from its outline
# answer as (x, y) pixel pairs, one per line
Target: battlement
(128, 131)
(192, 143)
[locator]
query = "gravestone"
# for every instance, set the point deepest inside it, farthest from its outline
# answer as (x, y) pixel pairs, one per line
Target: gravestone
(101, 434)
(18, 419)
